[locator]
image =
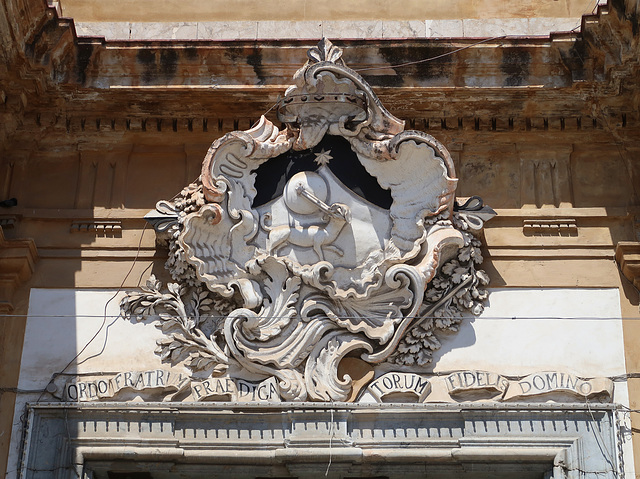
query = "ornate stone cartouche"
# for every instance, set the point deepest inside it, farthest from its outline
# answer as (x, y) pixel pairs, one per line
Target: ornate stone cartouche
(338, 236)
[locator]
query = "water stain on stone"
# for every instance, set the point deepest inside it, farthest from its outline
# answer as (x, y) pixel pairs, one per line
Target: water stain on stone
(574, 59)
(83, 59)
(424, 61)
(147, 58)
(255, 60)
(168, 63)
(515, 65)
(191, 53)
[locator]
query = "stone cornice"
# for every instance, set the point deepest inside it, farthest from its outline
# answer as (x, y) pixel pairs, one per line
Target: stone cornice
(17, 264)
(51, 71)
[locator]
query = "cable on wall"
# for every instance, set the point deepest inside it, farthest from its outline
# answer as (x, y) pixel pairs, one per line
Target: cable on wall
(425, 60)
(104, 320)
(105, 316)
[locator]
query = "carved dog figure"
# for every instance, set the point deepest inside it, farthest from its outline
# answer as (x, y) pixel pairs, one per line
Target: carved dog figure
(316, 236)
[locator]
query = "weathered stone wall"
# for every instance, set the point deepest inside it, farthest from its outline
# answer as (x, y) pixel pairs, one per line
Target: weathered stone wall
(92, 133)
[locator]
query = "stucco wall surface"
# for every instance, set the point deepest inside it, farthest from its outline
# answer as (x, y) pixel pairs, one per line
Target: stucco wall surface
(527, 330)
(522, 331)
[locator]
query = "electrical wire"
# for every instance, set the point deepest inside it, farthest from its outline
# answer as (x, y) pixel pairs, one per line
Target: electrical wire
(425, 60)
(104, 320)
(600, 440)
(331, 435)
(105, 316)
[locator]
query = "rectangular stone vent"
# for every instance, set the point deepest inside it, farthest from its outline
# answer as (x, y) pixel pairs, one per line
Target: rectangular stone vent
(7, 221)
(105, 227)
(560, 227)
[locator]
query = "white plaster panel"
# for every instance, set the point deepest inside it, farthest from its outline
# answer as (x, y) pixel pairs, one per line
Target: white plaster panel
(352, 29)
(108, 30)
(61, 322)
(251, 30)
(280, 30)
(444, 28)
(227, 30)
(575, 330)
(486, 27)
(545, 25)
(408, 29)
(164, 30)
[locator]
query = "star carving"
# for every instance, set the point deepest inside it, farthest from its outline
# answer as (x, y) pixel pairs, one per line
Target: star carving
(323, 158)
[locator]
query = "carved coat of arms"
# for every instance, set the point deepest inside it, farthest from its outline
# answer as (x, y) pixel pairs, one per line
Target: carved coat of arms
(337, 236)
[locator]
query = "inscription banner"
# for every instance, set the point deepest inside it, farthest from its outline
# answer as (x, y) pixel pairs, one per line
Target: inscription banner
(236, 390)
(463, 381)
(168, 385)
(225, 388)
(548, 382)
(390, 383)
(103, 387)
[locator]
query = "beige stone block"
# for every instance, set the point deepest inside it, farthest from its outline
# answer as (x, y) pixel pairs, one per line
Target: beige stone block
(108, 30)
(444, 28)
(227, 30)
(283, 29)
(544, 26)
(596, 181)
(408, 29)
(335, 10)
(354, 29)
(164, 30)
(493, 27)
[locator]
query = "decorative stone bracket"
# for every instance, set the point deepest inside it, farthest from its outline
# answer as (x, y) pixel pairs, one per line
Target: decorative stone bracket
(99, 227)
(17, 263)
(8, 221)
(552, 227)
(628, 257)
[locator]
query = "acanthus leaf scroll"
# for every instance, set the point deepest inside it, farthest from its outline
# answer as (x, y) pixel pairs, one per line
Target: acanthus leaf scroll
(287, 284)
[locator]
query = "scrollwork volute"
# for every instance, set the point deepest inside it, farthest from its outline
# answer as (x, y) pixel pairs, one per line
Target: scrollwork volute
(337, 236)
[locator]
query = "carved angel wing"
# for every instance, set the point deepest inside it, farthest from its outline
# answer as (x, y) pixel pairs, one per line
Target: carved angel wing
(206, 239)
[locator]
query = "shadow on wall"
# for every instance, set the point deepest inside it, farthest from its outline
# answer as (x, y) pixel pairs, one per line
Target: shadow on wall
(465, 337)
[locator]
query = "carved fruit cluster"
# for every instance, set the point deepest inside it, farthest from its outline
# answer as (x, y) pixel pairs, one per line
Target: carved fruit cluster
(190, 200)
(460, 276)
